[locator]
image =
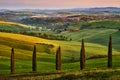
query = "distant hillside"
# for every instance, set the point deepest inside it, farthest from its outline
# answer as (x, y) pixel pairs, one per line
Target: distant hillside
(110, 9)
(113, 10)
(99, 36)
(11, 26)
(106, 24)
(2, 18)
(23, 45)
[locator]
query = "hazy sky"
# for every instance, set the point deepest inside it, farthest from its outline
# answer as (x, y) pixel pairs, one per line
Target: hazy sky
(49, 4)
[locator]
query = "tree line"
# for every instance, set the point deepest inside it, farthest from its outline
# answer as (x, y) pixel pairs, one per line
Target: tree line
(40, 35)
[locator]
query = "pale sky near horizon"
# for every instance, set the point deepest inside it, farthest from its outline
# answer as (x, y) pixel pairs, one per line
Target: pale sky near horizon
(56, 4)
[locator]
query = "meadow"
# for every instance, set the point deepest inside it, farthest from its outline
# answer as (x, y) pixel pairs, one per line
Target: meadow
(12, 26)
(96, 45)
(95, 69)
(92, 24)
(46, 59)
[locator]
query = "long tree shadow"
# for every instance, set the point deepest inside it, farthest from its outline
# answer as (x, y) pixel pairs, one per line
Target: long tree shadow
(52, 60)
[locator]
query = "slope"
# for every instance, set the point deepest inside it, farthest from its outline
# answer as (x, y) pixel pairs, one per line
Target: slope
(12, 26)
(69, 48)
(98, 36)
(46, 62)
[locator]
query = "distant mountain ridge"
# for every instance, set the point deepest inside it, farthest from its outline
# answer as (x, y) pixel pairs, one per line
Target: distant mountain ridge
(96, 10)
(106, 9)
(71, 10)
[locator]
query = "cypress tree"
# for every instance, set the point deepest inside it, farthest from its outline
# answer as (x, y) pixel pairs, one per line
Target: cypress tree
(12, 61)
(34, 60)
(58, 58)
(110, 52)
(82, 55)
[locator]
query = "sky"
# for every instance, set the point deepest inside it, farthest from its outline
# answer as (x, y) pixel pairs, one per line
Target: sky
(57, 4)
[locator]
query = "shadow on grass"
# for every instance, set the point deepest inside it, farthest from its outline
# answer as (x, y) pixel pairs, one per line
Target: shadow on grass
(112, 75)
(52, 60)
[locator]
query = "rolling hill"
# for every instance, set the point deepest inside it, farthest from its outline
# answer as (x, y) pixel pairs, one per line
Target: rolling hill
(69, 48)
(96, 41)
(95, 38)
(12, 26)
(98, 36)
(46, 54)
(22, 43)
(100, 24)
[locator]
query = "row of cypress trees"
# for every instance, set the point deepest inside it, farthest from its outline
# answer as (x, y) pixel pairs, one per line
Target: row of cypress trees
(34, 60)
(58, 57)
(82, 54)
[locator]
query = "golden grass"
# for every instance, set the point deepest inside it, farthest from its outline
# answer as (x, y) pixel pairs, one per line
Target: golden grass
(13, 23)
(25, 38)
(69, 48)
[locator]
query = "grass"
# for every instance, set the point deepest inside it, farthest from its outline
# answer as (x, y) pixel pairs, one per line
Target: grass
(24, 45)
(46, 62)
(106, 24)
(109, 24)
(25, 38)
(98, 36)
(12, 26)
(90, 75)
(93, 74)
(96, 41)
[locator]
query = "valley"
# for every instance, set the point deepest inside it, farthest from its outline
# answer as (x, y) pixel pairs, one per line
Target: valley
(54, 29)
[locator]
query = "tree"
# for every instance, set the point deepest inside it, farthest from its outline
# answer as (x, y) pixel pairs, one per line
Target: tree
(82, 55)
(12, 61)
(58, 58)
(34, 60)
(110, 52)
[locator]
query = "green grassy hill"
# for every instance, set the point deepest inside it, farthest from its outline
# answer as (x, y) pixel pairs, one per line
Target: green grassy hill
(98, 36)
(46, 54)
(11, 26)
(23, 45)
(69, 48)
(106, 24)
(96, 41)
